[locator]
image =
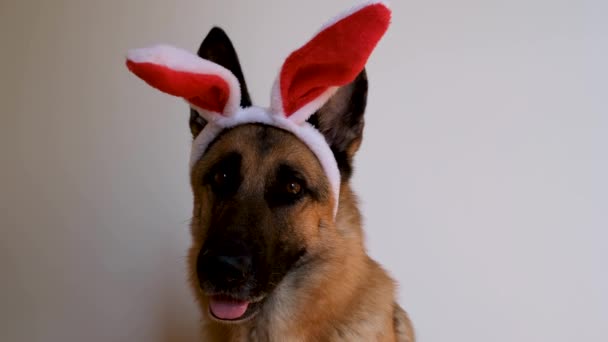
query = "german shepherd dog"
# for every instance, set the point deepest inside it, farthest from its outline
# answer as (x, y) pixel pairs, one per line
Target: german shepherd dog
(275, 257)
(263, 231)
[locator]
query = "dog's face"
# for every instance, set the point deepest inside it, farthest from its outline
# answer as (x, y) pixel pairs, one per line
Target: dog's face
(263, 206)
(261, 198)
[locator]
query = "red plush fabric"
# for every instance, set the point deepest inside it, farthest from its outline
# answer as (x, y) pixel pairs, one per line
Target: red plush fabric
(209, 92)
(334, 57)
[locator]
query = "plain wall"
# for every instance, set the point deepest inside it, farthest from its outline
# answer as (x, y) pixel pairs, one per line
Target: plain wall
(482, 177)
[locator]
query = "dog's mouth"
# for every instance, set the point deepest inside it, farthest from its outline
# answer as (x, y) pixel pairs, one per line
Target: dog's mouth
(232, 299)
(230, 309)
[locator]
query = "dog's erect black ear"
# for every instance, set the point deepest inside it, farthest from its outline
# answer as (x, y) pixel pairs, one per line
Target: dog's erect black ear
(341, 121)
(218, 48)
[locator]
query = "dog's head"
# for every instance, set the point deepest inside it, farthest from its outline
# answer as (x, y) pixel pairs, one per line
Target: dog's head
(261, 196)
(266, 182)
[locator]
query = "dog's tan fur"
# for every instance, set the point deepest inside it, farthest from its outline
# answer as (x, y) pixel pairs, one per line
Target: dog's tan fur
(341, 294)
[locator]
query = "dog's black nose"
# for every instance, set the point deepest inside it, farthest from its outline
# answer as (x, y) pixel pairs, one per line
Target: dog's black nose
(233, 267)
(224, 270)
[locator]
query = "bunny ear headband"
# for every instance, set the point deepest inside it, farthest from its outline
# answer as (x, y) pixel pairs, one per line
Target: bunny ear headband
(308, 78)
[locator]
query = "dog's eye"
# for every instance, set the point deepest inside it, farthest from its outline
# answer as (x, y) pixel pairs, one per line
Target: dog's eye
(293, 188)
(224, 177)
(220, 178)
(288, 188)
(224, 183)
(286, 192)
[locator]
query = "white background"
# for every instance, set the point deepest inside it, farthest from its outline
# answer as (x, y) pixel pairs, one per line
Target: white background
(483, 174)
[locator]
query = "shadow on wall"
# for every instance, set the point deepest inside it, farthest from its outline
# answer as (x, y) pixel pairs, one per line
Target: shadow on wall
(179, 315)
(180, 322)
(172, 335)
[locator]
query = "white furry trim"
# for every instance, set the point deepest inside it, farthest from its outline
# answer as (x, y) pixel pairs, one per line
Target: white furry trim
(302, 114)
(303, 131)
(182, 60)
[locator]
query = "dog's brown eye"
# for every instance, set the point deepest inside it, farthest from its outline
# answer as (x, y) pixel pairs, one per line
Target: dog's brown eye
(294, 188)
(220, 178)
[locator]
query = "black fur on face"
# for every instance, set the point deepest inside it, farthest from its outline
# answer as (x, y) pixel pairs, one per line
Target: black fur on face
(244, 256)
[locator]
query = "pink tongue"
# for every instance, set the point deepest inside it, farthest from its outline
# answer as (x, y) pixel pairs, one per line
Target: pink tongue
(227, 308)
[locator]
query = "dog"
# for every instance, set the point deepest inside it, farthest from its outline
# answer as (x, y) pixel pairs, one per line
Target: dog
(277, 243)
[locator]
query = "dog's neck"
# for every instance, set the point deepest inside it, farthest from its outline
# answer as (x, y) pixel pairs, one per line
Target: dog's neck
(334, 283)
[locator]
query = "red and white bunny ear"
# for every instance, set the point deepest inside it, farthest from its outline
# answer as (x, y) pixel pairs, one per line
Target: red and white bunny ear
(332, 58)
(210, 88)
